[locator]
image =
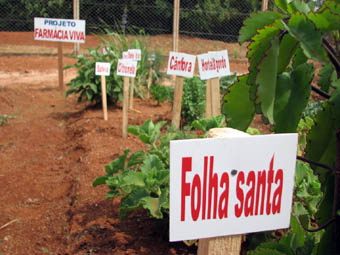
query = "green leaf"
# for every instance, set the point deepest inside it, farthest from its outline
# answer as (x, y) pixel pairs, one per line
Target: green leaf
(117, 164)
(265, 251)
(132, 201)
(288, 47)
(299, 58)
(266, 80)
(136, 158)
(327, 18)
(298, 6)
(326, 245)
(93, 87)
(257, 21)
(238, 108)
(154, 205)
(150, 162)
(291, 98)
(282, 4)
(99, 181)
(297, 229)
(304, 31)
(327, 75)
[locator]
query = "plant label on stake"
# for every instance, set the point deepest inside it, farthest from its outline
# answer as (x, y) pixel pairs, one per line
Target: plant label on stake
(135, 55)
(59, 30)
(126, 68)
(231, 186)
(181, 65)
(103, 69)
(213, 65)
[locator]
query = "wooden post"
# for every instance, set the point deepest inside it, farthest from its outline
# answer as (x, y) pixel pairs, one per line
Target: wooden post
(225, 245)
(149, 83)
(76, 16)
(177, 106)
(208, 99)
(60, 66)
(175, 31)
(264, 5)
(215, 97)
(132, 89)
(125, 105)
(104, 102)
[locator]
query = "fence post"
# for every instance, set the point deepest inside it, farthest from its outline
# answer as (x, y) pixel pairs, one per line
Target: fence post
(76, 16)
(225, 245)
(264, 5)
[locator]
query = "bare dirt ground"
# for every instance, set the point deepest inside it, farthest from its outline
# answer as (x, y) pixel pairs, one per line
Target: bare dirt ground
(52, 150)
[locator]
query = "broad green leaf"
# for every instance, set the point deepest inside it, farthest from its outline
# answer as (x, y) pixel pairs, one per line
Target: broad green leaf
(297, 229)
(304, 31)
(94, 87)
(265, 251)
(132, 178)
(257, 51)
(327, 75)
(150, 162)
(288, 47)
(155, 205)
(136, 158)
(132, 201)
(117, 164)
(99, 181)
(326, 245)
(327, 18)
(135, 130)
(266, 80)
(282, 4)
(299, 58)
(277, 247)
(258, 21)
(237, 107)
(291, 98)
(298, 6)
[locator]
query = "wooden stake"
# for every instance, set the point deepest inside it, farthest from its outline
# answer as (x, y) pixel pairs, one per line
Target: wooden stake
(149, 83)
(225, 245)
(175, 32)
(208, 106)
(215, 97)
(125, 106)
(264, 5)
(60, 66)
(76, 16)
(132, 90)
(176, 111)
(104, 102)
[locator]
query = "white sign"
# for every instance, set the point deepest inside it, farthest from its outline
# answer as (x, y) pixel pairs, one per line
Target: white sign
(213, 64)
(127, 68)
(181, 64)
(231, 186)
(103, 68)
(59, 30)
(133, 54)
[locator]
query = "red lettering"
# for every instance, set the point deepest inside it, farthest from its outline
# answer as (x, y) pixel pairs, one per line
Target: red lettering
(205, 186)
(196, 192)
(261, 185)
(270, 181)
(278, 192)
(239, 194)
(223, 203)
(186, 167)
(249, 204)
(213, 184)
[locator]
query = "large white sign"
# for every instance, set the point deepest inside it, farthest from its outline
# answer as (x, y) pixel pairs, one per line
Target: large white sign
(127, 68)
(181, 64)
(230, 186)
(59, 30)
(213, 64)
(103, 68)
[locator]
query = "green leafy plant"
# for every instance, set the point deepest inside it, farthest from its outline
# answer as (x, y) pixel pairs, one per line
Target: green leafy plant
(193, 100)
(205, 124)
(142, 178)
(283, 48)
(88, 85)
(160, 93)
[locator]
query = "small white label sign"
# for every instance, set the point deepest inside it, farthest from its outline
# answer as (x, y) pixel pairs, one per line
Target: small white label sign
(181, 64)
(59, 30)
(231, 186)
(103, 68)
(127, 68)
(133, 54)
(213, 65)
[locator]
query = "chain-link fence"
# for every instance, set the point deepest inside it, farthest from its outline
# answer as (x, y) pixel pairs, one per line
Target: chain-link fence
(213, 19)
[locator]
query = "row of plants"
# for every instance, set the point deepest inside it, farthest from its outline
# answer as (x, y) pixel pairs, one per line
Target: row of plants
(285, 46)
